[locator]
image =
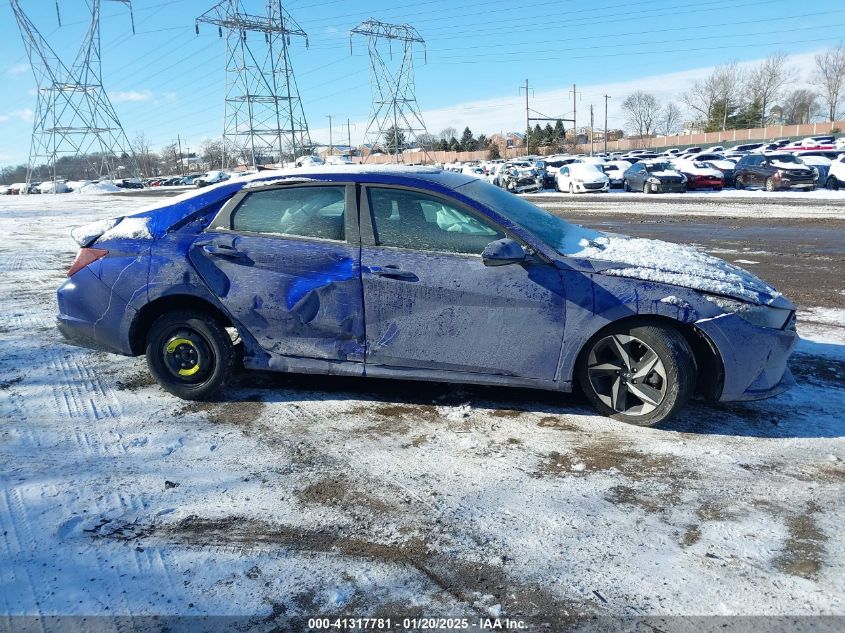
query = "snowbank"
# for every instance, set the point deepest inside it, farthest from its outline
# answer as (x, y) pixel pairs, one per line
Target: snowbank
(106, 186)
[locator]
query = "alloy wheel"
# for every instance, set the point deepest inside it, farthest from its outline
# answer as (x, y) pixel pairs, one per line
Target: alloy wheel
(627, 375)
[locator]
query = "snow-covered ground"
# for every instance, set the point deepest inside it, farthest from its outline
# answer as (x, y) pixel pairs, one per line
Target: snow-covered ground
(819, 204)
(316, 495)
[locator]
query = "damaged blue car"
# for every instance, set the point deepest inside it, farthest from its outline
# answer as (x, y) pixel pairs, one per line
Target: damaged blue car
(420, 274)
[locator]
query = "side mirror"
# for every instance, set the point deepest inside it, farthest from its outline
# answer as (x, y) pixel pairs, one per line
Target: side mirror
(502, 252)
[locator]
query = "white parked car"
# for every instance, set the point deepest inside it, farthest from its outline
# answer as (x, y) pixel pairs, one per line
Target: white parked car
(60, 186)
(615, 170)
(836, 174)
(582, 178)
(211, 178)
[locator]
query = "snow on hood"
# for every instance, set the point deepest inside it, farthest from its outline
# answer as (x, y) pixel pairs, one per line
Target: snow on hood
(664, 262)
(792, 166)
(664, 173)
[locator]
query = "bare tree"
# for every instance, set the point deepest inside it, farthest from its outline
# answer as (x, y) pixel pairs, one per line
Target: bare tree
(829, 78)
(728, 80)
(701, 98)
(642, 110)
(448, 133)
(212, 153)
(765, 82)
(800, 106)
(147, 159)
(670, 120)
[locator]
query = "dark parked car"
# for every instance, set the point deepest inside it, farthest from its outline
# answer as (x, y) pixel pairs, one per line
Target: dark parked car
(654, 177)
(773, 171)
(420, 274)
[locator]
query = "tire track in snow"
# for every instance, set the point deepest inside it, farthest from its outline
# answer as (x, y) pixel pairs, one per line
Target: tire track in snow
(15, 522)
(81, 393)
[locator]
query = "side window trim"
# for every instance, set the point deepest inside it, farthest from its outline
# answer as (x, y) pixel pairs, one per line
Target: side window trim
(368, 227)
(222, 222)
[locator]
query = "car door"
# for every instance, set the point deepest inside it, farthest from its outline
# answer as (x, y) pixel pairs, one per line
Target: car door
(430, 301)
(563, 178)
(636, 179)
(284, 261)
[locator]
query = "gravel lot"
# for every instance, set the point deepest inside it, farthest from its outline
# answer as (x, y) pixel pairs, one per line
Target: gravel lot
(301, 495)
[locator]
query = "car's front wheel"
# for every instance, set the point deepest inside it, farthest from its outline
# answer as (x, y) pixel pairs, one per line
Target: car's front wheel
(639, 374)
(832, 183)
(190, 354)
(771, 185)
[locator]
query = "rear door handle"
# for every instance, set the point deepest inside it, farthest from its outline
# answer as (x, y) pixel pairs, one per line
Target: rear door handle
(391, 271)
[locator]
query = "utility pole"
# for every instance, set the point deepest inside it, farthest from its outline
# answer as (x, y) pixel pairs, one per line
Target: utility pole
(181, 164)
(349, 137)
(331, 141)
(592, 136)
(606, 99)
(574, 113)
(527, 122)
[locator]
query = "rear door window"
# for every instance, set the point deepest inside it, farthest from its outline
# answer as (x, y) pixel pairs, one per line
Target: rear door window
(311, 212)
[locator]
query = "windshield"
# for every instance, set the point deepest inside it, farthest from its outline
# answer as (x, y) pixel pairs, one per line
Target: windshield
(785, 158)
(555, 232)
(655, 167)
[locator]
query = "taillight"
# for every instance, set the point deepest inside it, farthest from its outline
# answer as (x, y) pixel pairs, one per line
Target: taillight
(84, 257)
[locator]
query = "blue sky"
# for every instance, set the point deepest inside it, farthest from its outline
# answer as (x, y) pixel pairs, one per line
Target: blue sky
(165, 80)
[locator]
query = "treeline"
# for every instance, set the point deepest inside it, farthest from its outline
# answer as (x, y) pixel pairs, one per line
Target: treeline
(737, 97)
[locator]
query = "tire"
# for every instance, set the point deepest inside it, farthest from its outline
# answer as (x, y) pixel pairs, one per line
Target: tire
(625, 186)
(832, 183)
(190, 354)
(625, 395)
(770, 184)
(717, 188)
(571, 189)
(738, 184)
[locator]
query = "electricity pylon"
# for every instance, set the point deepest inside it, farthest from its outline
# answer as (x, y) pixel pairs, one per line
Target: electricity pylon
(73, 114)
(396, 120)
(263, 112)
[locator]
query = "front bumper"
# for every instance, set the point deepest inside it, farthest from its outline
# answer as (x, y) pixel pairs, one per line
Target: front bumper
(668, 187)
(590, 187)
(754, 358)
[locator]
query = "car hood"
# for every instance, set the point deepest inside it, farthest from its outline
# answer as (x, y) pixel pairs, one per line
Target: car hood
(674, 264)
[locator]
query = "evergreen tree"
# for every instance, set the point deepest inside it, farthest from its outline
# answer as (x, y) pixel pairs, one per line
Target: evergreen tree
(394, 140)
(455, 145)
(467, 140)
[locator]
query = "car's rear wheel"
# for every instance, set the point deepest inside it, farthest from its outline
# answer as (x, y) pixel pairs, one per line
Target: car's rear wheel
(738, 183)
(639, 374)
(646, 189)
(189, 354)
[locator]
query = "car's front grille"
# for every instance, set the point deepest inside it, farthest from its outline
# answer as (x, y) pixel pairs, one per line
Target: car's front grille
(593, 185)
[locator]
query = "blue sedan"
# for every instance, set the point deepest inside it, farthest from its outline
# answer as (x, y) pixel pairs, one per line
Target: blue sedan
(420, 274)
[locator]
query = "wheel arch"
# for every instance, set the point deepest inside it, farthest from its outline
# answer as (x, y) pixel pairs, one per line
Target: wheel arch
(710, 366)
(170, 303)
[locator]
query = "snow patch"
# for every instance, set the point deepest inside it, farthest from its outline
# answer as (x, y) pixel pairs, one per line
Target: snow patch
(98, 188)
(131, 228)
(664, 262)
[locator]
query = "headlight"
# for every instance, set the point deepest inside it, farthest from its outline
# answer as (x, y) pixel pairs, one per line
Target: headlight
(815, 173)
(654, 181)
(760, 316)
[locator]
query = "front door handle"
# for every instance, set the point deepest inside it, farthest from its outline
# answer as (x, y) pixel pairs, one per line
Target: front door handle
(391, 271)
(226, 251)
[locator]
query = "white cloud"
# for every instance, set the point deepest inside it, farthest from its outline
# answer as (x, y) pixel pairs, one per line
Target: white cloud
(25, 115)
(131, 96)
(18, 69)
(507, 113)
